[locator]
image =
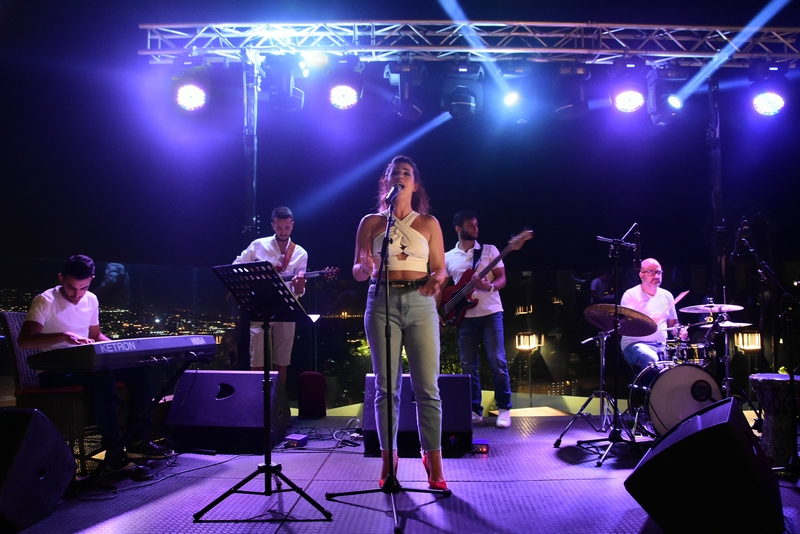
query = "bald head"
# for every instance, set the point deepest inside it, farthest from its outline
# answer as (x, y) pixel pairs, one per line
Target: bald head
(650, 275)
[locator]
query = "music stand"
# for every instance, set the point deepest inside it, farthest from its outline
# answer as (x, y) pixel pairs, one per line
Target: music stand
(264, 296)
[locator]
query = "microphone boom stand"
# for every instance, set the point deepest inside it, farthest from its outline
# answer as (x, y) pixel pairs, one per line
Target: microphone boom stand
(391, 486)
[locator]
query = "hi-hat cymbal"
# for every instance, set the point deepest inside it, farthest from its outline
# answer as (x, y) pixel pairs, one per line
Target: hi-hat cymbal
(711, 308)
(631, 322)
(727, 324)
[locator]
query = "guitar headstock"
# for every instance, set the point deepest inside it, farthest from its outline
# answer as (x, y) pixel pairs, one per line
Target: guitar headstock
(518, 240)
(329, 273)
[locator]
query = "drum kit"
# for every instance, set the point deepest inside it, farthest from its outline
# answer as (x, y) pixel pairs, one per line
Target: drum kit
(667, 391)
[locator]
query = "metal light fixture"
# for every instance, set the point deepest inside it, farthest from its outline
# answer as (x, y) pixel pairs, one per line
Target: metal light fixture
(191, 84)
(405, 76)
(663, 101)
(462, 91)
(347, 83)
(281, 72)
(628, 94)
(569, 91)
(769, 88)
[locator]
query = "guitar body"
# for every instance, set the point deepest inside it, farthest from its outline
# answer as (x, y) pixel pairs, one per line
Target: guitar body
(456, 299)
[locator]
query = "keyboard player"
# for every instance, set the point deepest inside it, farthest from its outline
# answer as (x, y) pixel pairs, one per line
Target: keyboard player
(68, 315)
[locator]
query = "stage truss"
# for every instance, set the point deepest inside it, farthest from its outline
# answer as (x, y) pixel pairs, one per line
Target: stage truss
(591, 43)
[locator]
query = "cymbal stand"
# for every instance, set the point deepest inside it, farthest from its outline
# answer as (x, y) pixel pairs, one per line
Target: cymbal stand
(606, 400)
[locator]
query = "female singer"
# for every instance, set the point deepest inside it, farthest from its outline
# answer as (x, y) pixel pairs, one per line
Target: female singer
(416, 243)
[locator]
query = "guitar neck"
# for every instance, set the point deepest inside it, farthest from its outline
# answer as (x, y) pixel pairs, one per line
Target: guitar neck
(309, 274)
(494, 262)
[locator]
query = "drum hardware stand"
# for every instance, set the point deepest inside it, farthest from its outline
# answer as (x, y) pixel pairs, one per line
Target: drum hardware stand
(636, 324)
(792, 469)
(391, 485)
(606, 400)
(264, 296)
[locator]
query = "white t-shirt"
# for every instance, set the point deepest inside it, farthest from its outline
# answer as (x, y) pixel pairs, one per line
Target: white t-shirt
(659, 307)
(56, 314)
(267, 249)
(458, 261)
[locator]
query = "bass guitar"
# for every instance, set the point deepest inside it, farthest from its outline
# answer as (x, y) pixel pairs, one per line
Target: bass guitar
(456, 299)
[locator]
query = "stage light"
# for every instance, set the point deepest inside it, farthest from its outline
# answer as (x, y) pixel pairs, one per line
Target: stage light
(405, 76)
(663, 102)
(627, 92)
(191, 84)
(569, 91)
(280, 73)
(769, 87)
(347, 83)
(462, 91)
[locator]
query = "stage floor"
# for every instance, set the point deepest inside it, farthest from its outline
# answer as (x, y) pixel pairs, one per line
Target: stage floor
(523, 484)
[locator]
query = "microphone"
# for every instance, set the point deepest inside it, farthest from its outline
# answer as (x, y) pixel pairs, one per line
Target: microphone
(396, 188)
(743, 228)
(637, 261)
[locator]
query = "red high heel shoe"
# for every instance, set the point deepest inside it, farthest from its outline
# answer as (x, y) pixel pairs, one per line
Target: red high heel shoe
(382, 481)
(432, 484)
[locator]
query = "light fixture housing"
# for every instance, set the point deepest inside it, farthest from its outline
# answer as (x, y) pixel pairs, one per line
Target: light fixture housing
(462, 90)
(569, 91)
(191, 84)
(664, 104)
(770, 87)
(280, 74)
(346, 85)
(627, 84)
(405, 76)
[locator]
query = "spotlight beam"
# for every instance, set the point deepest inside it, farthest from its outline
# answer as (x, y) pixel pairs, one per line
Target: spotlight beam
(343, 183)
(769, 11)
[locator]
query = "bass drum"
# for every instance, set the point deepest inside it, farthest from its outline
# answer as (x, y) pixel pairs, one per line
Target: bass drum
(666, 393)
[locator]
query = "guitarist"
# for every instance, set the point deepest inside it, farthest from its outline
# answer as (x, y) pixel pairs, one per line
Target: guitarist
(287, 258)
(484, 322)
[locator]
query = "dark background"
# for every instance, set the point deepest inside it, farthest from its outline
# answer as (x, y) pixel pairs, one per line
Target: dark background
(94, 159)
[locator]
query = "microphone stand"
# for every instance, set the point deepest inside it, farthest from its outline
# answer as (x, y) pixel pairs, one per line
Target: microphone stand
(391, 486)
(615, 433)
(792, 469)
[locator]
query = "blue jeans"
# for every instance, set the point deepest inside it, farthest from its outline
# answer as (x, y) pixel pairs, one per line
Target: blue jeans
(413, 324)
(488, 329)
(641, 354)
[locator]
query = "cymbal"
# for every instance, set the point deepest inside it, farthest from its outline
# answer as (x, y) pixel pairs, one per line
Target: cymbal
(631, 322)
(711, 308)
(727, 324)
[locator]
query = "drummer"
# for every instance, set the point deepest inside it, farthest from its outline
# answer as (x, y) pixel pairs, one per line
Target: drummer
(659, 305)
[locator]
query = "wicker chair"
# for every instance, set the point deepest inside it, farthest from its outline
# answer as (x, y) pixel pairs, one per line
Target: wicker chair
(68, 408)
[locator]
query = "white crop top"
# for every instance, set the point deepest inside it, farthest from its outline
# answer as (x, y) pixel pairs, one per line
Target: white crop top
(408, 249)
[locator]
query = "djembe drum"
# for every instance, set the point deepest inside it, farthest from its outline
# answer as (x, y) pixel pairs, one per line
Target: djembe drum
(779, 432)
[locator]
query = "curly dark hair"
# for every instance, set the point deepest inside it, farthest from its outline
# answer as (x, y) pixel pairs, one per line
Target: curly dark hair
(419, 200)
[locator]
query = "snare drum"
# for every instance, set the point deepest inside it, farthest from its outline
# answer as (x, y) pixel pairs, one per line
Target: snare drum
(694, 353)
(666, 393)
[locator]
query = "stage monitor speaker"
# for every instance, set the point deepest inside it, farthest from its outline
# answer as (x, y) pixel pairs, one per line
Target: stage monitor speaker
(456, 418)
(223, 411)
(712, 459)
(36, 467)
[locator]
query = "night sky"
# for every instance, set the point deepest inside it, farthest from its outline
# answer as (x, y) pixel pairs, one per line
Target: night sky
(95, 161)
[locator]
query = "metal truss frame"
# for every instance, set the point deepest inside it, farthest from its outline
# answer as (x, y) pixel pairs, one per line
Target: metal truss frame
(591, 43)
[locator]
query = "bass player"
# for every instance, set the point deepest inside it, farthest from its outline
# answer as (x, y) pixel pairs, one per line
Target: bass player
(484, 321)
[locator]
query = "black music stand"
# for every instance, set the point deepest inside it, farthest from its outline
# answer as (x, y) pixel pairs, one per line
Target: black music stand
(264, 296)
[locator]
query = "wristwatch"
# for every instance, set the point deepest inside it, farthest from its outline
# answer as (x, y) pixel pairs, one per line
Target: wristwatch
(491, 288)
